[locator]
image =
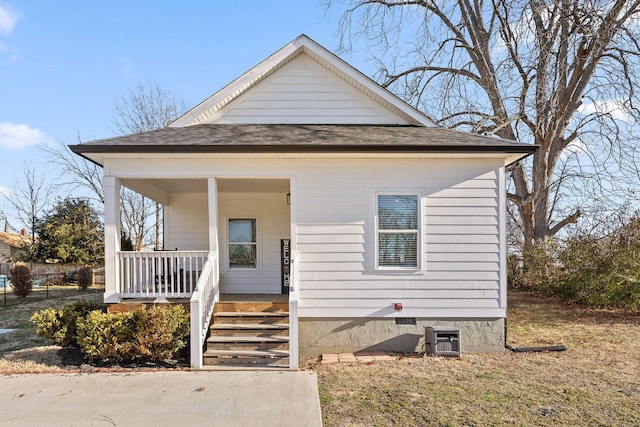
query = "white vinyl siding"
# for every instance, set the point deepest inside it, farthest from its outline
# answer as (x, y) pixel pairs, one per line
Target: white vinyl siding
(459, 250)
(273, 224)
(186, 225)
(303, 91)
(186, 222)
(335, 231)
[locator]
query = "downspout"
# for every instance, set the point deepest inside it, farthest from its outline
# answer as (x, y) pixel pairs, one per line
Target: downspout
(537, 349)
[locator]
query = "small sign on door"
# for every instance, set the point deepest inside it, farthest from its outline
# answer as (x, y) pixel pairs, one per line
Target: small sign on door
(285, 256)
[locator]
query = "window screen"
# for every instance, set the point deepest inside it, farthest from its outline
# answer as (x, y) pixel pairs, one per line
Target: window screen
(397, 230)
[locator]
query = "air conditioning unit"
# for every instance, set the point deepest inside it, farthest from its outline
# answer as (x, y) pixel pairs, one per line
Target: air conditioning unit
(442, 341)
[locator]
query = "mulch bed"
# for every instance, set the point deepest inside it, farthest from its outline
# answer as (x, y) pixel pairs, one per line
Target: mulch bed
(71, 360)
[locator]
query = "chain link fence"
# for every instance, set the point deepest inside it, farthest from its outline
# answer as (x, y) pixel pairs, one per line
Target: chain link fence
(53, 285)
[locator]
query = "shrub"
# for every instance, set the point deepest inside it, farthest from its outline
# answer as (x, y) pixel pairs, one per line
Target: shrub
(59, 324)
(601, 273)
(154, 334)
(535, 272)
(49, 324)
(85, 277)
(160, 332)
(106, 337)
(593, 271)
(21, 279)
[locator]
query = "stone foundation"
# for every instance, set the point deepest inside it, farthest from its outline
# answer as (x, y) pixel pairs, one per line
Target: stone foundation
(328, 335)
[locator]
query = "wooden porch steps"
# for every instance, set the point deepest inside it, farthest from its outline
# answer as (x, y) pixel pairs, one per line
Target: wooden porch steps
(250, 326)
(248, 335)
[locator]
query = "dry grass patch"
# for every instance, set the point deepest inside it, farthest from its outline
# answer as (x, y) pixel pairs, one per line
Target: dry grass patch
(32, 360)
(595, 382)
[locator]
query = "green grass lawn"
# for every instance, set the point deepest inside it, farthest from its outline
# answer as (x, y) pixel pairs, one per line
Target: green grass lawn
(595, 383)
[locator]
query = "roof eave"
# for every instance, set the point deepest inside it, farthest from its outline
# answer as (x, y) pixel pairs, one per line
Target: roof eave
(294, 148)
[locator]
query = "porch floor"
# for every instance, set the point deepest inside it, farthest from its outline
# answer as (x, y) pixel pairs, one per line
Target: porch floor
(130, 304)
(223, 298)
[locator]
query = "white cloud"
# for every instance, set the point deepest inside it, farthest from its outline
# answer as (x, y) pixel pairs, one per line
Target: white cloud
(4, 191)
(14, 136)
(8, 19)
(614, 107)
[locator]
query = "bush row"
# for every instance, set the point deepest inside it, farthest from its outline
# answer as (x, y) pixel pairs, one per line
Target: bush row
(147, 334)
(23, 284)
(586, 270)
(60, 324)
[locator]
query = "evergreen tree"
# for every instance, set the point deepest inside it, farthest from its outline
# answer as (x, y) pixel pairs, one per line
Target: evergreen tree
(70, 233)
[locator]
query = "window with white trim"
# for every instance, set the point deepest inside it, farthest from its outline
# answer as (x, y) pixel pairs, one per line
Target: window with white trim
(243, 243)
(397, 229)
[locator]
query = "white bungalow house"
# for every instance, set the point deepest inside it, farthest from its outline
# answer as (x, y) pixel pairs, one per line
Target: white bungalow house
(390, 222)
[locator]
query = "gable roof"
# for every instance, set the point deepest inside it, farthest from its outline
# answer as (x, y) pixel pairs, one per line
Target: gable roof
(198, 132)
(261, 138)
(209, 108)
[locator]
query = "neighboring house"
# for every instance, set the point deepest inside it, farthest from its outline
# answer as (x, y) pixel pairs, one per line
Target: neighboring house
(386, 216)
(10, 246)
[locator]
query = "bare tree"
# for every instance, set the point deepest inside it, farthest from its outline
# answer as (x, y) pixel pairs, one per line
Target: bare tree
(143, 108)
(136, 216)
(560, 74)
(30, 198)
(76, 172)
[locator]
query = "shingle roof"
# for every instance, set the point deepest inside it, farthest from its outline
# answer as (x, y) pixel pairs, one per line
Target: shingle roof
(300, 138)
(14, 240)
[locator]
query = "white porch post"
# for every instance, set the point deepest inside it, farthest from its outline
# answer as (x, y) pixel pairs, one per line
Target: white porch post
(199, 305)
(112, 289)
(213, 219)
(294, 341)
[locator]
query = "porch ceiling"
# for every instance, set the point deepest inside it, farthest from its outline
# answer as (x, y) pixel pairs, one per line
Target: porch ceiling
(226, 185)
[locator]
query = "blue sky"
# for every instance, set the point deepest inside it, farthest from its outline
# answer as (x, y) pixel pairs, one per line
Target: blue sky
(62, 63)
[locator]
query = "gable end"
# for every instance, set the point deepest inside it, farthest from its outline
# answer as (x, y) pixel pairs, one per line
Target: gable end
(366, 103)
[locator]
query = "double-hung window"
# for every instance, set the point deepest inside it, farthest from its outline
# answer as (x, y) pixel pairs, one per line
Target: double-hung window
(397, 230)
(243, 243)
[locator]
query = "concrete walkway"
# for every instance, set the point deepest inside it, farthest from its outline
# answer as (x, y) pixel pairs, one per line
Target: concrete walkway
(225, 398)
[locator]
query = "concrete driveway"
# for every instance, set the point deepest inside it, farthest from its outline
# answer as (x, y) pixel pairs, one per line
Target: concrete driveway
(206, 398)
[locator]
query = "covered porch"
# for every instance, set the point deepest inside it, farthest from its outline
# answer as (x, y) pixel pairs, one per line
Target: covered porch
(226, 238)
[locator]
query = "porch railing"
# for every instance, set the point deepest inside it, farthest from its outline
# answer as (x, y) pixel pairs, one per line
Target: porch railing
(204, 297)
(172, 274)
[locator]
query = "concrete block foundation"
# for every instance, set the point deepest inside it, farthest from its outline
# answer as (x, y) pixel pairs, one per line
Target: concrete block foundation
(330, 335)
